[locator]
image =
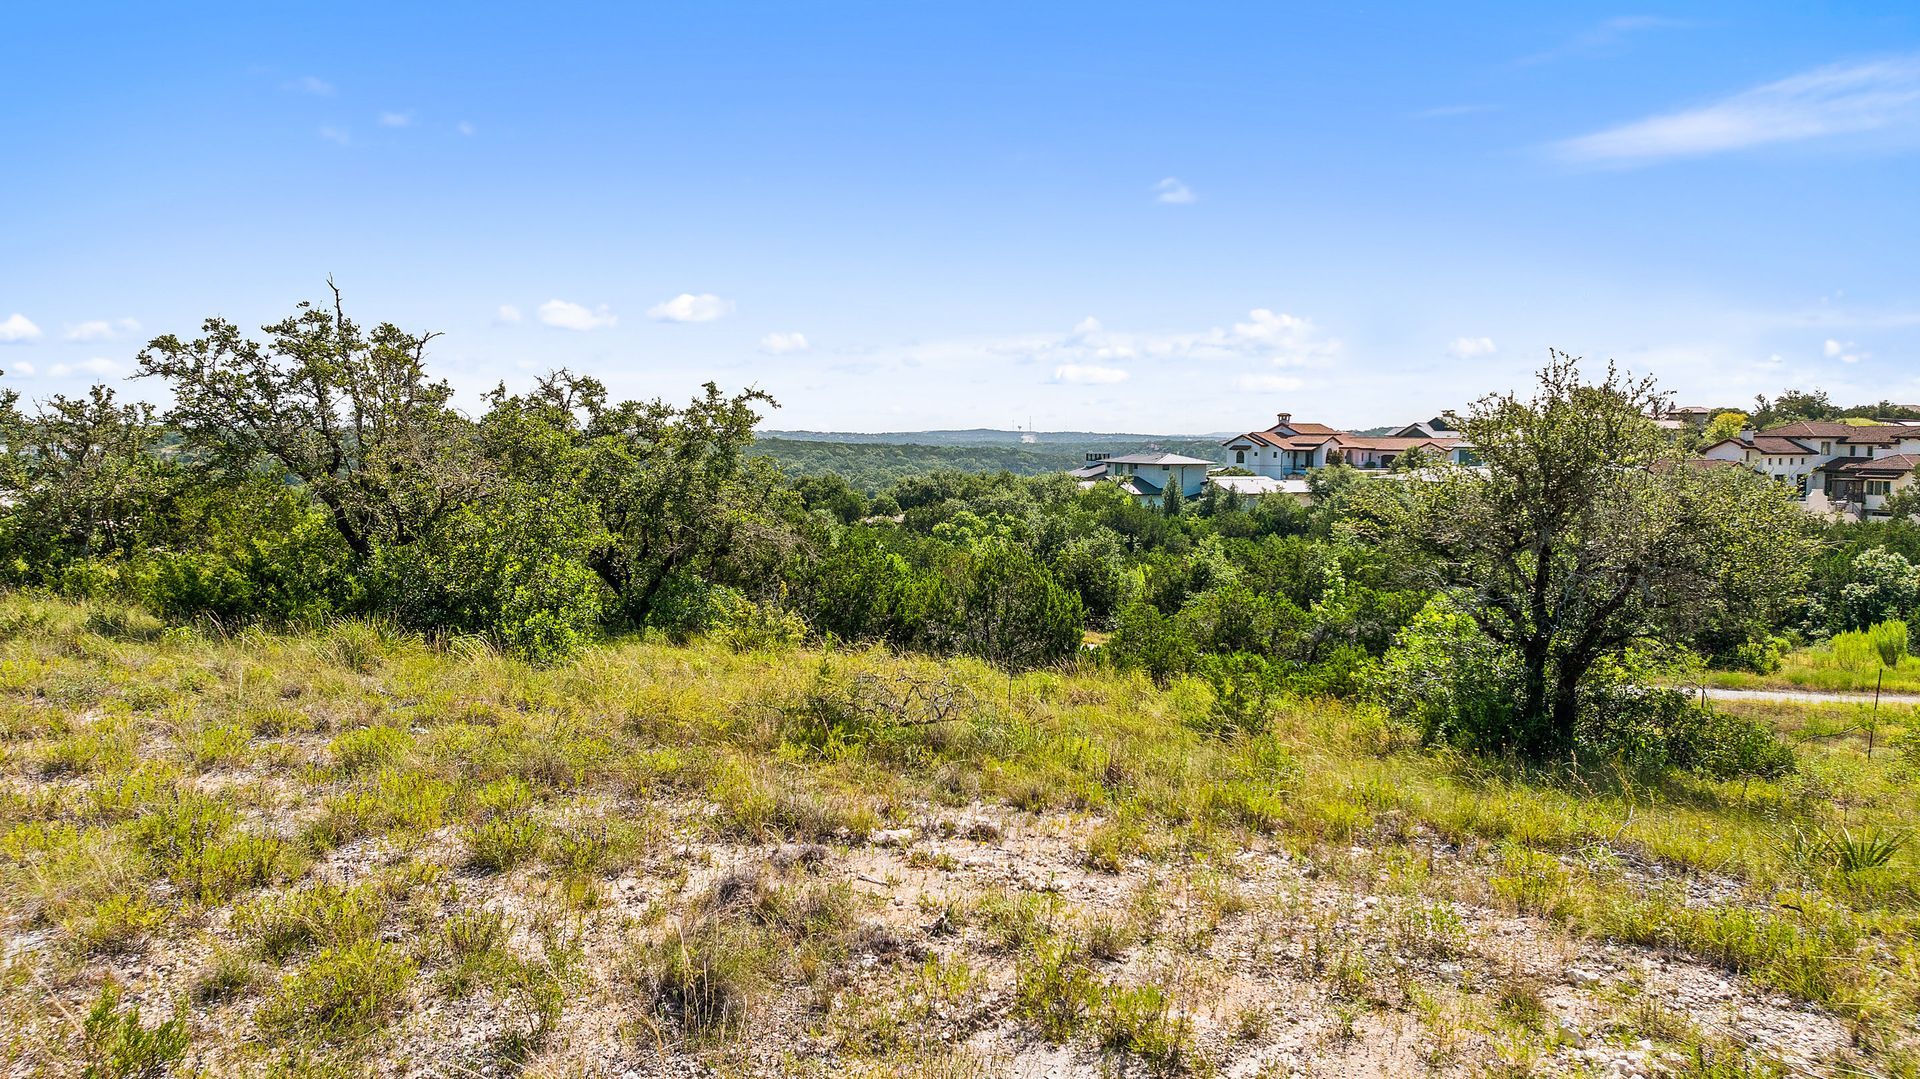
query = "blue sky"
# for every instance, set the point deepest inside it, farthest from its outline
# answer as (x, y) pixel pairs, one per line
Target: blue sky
(1174, 218)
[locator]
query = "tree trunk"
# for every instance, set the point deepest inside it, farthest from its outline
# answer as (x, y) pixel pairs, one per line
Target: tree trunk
(1532, 718)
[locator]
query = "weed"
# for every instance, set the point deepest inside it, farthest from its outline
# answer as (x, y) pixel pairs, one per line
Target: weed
(116, 1045)
(318, 914)
(343, 993)
(500, 843)
(115, 924)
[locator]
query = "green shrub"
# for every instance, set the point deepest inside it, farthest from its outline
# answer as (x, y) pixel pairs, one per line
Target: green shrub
(369, 747)
(746, 626)
(343, 993)
(316, 915)
(115, 924)
(512, 568)
(116, 1045)
(500, 843)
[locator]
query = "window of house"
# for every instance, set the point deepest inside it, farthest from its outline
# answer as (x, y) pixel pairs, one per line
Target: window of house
(1879, 487)
(1239, 457)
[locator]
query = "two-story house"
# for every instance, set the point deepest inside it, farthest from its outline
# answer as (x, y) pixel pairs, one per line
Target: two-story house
(1147, 476)
(1290, 448)
(1833, 467)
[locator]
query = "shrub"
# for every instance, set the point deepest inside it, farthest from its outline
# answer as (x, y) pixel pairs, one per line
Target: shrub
(1244, 690)
(114, 924)
(1015, 614)
(116, 1045)
(1651, 729)
(1449, 680)
(746, 626)
(343, 993)
(512, 568)
(501, 843)
(318, 914)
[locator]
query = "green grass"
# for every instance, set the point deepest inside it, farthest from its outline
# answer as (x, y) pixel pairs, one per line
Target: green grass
(349, 832)
(1818, 669)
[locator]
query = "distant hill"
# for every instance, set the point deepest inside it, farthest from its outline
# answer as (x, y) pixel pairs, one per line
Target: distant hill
(875, 462)
(988, 436)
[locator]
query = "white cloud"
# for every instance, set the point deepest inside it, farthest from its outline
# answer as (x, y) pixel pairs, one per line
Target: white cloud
(1838, 100)
(687, 307)
(1845, 353)
(507, 314)
(1085, 326)
(18, 328)
(464, 127)
(1173, 192)
(396, 119)
(96, 366)
(572, 316)
(1606, 35)
(22, 368)
(309, 84)
(779, 343)
(1466, 348)
(1267, 383)
(1088, 374)
(102, 329)
(337, 135)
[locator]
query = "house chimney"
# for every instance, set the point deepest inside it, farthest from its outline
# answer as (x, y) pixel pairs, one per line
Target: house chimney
(1285, 419)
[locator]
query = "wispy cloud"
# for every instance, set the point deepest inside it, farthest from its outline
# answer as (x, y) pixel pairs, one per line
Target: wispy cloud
(781, 343)
(1466, 348)
(1842, 99)
(1845, 352)
(465, 127)
(310, 84)
(99, 365)
(339, 136)
(688, 307)
(1268, 383)
(396, 119)
(567, 315)
(1088, 374)
(102, 329)
(1605, 36)
(507, 314)
(1173, 192)
(18, 329)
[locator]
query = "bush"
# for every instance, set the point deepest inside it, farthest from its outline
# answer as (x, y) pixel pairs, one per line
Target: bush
(1015, 614)
(511, 568)
(1652, 729)
(746, 626)
(1244, 688)
(116, 1045)
(1146, 640)
(345, 992)
(1449, 680)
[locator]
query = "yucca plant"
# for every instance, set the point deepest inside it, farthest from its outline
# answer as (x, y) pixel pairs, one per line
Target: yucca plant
(1870, 848)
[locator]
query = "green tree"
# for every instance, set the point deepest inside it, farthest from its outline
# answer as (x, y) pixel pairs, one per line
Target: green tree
(1586, 536)
(83, 477)
(1723, 426)
(350, 414)
(1015, 614)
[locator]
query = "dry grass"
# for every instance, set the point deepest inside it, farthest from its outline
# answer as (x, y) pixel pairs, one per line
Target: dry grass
(351, 853)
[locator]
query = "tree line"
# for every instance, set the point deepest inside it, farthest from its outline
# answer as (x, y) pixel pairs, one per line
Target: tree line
(318, 470)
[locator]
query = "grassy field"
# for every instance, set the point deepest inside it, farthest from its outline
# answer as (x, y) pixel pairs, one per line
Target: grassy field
(351, 853)
(1816, 669)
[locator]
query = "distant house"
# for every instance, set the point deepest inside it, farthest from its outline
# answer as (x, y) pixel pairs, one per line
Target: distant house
(1146, 476)
(1833, 468)
(1292, 449)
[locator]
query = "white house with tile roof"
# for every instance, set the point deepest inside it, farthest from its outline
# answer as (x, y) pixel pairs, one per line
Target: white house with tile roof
(1833, 467)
